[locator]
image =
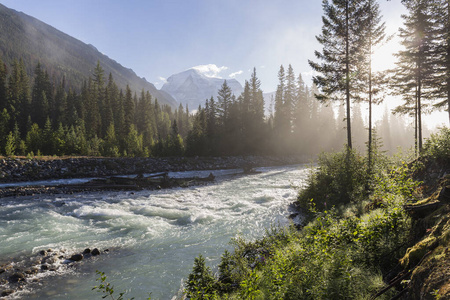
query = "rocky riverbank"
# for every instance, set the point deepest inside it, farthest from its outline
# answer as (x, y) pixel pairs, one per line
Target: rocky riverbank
(22, 169)
(21, 274)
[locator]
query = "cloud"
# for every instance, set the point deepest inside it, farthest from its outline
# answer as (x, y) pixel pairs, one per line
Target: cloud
(210, 70)
(233, 75)
(161, 81)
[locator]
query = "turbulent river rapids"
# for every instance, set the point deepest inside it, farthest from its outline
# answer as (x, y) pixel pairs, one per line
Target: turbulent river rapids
(153, 236)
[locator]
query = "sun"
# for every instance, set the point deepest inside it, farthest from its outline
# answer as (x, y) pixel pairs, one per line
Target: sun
(383, 57)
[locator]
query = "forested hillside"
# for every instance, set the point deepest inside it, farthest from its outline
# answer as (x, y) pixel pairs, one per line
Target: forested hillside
(22, 36)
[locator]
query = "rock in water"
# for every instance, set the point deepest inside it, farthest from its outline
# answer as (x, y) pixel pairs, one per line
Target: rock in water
(95, 252)
(76, 257)
(6, 293)
(17, 277)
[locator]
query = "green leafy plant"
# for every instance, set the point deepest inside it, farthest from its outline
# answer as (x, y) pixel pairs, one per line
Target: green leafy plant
(107, 289)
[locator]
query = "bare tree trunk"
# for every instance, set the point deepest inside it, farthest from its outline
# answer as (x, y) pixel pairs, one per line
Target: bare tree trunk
(347, 75)
(369, 155)
(448, 59)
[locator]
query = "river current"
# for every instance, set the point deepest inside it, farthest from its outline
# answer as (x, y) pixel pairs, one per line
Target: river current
(153, 236)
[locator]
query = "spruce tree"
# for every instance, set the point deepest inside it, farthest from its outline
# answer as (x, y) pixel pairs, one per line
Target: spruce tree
(224, 103)
(256, 129)
(301, 114)
(289, 99)
(341, 38)
(440, 11)
(3, 92)
(413, 75)
(375, 35)
(279, 114)
(128, 109)
(19, 99)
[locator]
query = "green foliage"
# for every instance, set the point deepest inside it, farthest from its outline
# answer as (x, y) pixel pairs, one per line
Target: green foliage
(438, 145)
(10, 146)
(107, 289)
(341, 253)
(340, 178)
(201, 282)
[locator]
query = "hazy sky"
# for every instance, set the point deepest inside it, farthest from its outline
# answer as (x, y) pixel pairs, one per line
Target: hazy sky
(157, 38)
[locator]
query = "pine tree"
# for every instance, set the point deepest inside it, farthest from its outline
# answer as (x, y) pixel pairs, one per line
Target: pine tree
(128, 109)
(196, 141)
(211, 125)
(60, 112)
(289, 100)
(4, 127)
(224, 103)
(374, 36)
(279, 115)
(201, 280)
(257, 99)
(441, 17)
(10, 146)
(341, 38)
(19, 99)
(41, 96)
(92, 115)
(3, 92)
(250, 113)
(301, 116)
(413, 76)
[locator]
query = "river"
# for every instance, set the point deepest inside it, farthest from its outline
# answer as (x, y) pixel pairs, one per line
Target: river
(153, 236)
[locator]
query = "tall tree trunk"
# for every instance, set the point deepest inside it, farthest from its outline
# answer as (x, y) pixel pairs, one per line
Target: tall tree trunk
(347, 75)
(416, 123)
(448, 59)
(369, 155)
(419, 107)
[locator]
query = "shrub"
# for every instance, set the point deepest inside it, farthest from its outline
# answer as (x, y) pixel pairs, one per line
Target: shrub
(438, 145)
(340, 178)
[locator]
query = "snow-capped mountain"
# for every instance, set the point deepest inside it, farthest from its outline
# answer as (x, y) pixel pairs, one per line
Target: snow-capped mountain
(193, 88)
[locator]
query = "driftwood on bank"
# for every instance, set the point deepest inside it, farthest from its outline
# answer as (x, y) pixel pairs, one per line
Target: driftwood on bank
(114, 183)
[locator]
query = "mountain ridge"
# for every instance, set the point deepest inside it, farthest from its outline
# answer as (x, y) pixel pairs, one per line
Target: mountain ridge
(25, 37)
(192, 88)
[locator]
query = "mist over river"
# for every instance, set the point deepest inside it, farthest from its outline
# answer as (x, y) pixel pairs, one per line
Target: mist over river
(153, 236)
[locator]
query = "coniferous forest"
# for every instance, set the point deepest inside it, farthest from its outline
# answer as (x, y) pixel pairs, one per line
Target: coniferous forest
(43, 115)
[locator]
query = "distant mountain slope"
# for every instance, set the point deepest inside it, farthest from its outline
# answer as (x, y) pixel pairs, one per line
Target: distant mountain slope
(193, 88)
(22, 36)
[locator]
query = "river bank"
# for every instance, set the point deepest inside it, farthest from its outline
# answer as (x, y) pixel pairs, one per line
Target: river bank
(24, 169)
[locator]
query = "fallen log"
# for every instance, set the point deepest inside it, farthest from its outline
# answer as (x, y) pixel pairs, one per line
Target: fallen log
(421, 211)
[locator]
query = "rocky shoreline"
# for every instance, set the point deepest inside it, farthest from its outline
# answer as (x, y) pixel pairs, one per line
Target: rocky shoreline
(23, 169)
(25, 272)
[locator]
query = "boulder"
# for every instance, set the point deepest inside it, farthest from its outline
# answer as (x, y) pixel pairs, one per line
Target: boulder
(76, 257)
(6, 293)
(16, 277)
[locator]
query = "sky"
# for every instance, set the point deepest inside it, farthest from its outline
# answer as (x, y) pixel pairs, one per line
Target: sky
(226, 39)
